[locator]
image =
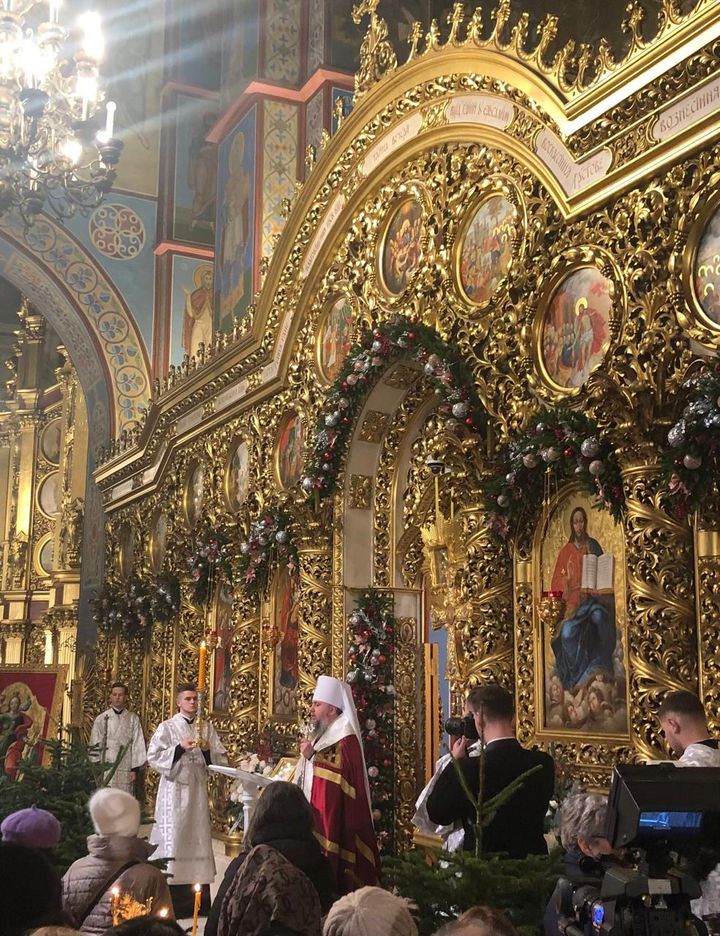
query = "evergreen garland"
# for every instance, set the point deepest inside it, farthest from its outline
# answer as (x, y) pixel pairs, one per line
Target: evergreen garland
(211, 559)
(692, 465)
(132, 607)
(269, 545)
(370, 673)
(570, 446)
(377, 348)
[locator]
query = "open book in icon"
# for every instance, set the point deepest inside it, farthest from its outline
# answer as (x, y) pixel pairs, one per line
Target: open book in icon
(598, 573)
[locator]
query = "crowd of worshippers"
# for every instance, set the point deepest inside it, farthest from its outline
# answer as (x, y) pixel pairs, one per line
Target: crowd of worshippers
(287, 880)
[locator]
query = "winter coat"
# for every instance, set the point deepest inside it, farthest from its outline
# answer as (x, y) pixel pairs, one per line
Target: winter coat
(302, 851)
(107, 854)
(269, 896)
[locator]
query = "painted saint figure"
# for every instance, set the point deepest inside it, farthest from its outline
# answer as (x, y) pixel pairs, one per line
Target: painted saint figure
(198, 315)
(584, 680)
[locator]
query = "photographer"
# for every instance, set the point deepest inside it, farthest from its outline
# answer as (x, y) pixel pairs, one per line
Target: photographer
(583, 820)
(517, 827)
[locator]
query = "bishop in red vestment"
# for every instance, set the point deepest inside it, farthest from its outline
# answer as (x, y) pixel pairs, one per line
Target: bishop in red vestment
(333, 775)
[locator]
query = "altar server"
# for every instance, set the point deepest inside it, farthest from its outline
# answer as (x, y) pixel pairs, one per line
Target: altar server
(181, 755)
(118, 728)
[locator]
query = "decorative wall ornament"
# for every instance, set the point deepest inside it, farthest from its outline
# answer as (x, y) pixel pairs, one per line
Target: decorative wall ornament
(289, 450)
(692, 464)
(580, 315)
(376, 350)
(560, 445)
(194, 493)
(371, 674)
(131, 609)
(373, 427)
(402, 243)
(360, 492)
(237, 476)
(269, 545)
(491, 237)
(697, 260)
(211, 565)
(335, 336)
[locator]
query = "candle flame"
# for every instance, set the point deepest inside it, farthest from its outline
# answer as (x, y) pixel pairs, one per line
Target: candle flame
(203, 644)
(162, 912)
(197, 888)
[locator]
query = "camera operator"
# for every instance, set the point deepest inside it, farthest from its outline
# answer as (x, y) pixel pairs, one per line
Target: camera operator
(453, 835)
(684, 723)
(517, 827)
(583, 820)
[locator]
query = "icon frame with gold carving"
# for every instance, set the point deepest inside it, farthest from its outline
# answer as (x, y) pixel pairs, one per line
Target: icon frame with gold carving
(584, 336)
(403, 231)
(288, 482)
(493, 188)
(346, 336)
(194, 492)
(694, 316)
(598, 705)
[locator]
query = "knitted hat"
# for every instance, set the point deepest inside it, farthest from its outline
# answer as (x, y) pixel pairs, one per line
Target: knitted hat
(370, 911)
(114, 812)
(36, 828)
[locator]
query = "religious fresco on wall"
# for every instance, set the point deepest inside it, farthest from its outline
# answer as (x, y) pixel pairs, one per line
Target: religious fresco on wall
(285, 673)
(195, 494)
(30, 706)
(234, 251)
(119, 235)
(197, 30)
(335, 338)
(237, 481)
(289, 454)
(575, 331)
(486, 248)
(240, 46)
(195, 176)
(585, 663)
(192, 307)
(222, 656)
(707, 270)
(347, 98)
(401, 250)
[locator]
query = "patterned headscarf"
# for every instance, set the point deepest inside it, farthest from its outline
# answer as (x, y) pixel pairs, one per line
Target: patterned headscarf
(269, 891)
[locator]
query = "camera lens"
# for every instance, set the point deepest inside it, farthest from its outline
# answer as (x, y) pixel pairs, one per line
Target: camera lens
(454, 726)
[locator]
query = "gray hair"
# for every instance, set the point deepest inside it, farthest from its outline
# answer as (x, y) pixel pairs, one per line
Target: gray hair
(370, 911)
(582, 815)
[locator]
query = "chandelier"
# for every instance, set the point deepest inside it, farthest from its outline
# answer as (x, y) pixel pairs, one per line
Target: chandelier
(53, 155)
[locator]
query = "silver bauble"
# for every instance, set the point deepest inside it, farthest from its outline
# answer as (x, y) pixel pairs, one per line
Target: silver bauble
(530, 460)
(595, 467)
(692, 462)
(308, 485)
(460, 410)
(590, 447)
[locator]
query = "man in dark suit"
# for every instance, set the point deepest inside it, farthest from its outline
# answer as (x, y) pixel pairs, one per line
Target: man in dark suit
(517, 827)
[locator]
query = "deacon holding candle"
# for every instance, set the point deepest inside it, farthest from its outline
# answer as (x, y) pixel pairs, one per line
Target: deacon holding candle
(333, 775)
(180, 754)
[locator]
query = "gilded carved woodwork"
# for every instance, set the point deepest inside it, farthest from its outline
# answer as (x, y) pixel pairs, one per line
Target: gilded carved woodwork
(638, 224)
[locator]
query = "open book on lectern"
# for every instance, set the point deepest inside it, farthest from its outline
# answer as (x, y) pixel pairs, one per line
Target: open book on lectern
(598, 573)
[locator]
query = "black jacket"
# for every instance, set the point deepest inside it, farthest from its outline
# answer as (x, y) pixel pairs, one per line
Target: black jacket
(304, 853)
(517, 828)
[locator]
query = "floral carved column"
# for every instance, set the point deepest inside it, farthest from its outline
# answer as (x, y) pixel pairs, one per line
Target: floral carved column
(707, 583)
(315, 604)
(662, 639)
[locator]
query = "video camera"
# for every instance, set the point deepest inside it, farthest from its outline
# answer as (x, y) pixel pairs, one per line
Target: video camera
(653, 811)
(462, 728)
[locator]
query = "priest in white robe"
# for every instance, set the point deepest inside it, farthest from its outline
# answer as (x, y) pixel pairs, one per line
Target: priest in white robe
(118, 728)
(182, 812)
